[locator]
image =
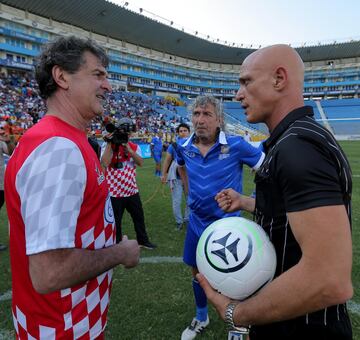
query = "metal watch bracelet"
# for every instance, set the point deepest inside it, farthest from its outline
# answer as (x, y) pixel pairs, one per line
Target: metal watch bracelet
(229, 319)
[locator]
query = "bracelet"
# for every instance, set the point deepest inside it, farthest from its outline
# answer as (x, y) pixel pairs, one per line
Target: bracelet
(229, 319)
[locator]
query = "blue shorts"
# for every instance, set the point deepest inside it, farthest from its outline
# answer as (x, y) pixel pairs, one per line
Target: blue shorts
(195, 228)
(157, 157)
(191, 241)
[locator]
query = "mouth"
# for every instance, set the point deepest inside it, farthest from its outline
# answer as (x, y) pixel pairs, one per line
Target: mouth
(245, 107)
(101, 97)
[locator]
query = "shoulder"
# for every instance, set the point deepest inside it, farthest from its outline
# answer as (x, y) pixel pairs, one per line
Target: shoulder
(50, 151)
(302, 156)
(239, 144)
(235, 140)
(135, 146)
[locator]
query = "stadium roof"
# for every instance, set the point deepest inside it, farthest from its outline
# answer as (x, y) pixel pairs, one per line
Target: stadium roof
(108, 19)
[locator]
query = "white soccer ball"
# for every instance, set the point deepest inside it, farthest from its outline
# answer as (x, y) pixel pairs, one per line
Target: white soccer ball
(236, 257)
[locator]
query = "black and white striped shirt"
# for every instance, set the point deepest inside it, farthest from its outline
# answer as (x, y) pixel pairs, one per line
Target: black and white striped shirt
(304, 168)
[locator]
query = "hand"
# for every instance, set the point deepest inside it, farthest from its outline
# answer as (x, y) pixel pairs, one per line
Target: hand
(130, 252)
(228, 200)
(218, 300)
(163, 179)
(107, 135)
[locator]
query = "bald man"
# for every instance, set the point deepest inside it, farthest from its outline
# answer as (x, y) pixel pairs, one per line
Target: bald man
(303, 191)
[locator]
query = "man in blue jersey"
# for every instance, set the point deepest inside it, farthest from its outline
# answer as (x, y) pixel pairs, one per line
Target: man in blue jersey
(213, 161)
(156, 146)
(176, 180)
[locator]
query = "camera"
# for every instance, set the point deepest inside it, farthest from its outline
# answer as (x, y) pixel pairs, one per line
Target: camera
(120, 131)
(120, 136)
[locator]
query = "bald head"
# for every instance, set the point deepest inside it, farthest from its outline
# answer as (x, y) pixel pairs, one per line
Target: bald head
(271, 84)
(271, 58)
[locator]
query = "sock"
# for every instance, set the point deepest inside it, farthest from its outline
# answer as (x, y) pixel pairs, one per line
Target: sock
(200, 301)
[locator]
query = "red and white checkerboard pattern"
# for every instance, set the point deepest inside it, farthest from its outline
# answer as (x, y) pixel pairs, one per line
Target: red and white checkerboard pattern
(122, 182)
(26, 330)
(86, 319)
(88, 307)
(87, 304)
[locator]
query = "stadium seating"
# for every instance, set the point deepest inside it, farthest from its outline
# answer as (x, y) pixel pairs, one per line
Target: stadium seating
(331, 88)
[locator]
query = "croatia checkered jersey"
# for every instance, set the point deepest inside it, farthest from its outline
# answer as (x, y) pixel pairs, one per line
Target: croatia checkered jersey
(219, 169)
(122, 181)
(57, 198)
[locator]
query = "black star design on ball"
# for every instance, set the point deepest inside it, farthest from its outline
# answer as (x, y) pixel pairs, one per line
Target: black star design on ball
(232, 248)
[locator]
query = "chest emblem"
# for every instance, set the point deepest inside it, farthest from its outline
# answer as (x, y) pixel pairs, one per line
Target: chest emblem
(99, 174)
(189, 154)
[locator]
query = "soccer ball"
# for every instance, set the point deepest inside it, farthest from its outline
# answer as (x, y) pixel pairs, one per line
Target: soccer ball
(236, 257)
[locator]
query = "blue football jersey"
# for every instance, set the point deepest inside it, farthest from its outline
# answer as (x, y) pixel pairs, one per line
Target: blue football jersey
(219, 169)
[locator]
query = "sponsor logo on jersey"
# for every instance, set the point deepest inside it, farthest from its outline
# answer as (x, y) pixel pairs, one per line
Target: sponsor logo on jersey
(189, 154)
(100, 175)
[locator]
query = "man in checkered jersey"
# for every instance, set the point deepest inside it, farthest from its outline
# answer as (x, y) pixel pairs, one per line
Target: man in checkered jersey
(120, 161)
(62, 235)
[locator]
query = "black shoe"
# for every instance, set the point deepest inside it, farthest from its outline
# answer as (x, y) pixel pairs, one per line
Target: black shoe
(3, 247)
(148, 245)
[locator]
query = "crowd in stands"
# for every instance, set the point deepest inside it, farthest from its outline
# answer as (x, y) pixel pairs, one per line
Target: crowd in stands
(21, 107)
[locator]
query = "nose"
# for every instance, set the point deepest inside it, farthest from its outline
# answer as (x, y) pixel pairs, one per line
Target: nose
(201, 119)
(106, 85)
(239, 95)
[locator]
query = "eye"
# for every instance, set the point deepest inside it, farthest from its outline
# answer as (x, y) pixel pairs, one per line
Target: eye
(244, 82)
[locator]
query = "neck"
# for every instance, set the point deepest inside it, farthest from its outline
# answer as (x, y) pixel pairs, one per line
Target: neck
(61, 108)
(203, 141)
(281, 111)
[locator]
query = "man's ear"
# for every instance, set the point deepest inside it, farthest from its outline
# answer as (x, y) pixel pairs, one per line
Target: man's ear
(280, 78)
(60, 76)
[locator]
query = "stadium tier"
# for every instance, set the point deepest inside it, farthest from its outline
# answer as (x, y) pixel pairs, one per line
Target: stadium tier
(183, 67)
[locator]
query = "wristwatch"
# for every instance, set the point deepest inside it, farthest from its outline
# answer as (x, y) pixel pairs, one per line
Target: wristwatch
(229, 319)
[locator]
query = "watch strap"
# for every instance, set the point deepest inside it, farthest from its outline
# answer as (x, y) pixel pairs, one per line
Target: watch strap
(229, 318)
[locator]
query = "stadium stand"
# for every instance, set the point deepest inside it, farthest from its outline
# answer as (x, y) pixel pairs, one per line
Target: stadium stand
(157, 61)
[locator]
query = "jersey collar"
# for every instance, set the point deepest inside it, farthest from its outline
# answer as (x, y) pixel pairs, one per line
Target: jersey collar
(286, 122)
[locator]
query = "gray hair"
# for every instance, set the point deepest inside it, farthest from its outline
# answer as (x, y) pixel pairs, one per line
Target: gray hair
(202, 101)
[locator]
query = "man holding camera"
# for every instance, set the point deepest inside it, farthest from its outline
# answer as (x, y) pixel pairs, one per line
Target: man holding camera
(120, 159)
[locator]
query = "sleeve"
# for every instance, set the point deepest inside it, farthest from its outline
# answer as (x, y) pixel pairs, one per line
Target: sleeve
(179, 156)
(138, 150)
(51, 185)
(170, 151)
(307, 175)
(250, 155)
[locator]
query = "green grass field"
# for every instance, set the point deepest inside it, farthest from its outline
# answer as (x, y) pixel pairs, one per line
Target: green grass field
(154, 300)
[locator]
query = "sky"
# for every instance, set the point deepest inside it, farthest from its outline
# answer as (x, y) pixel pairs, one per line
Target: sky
(259, 22)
